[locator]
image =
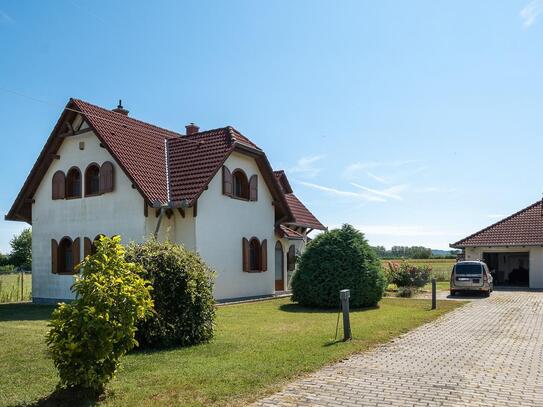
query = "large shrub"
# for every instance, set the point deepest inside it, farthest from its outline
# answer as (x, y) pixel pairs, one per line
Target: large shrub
(182, 293)
(88, 336)
(336, 260)
(405, 274)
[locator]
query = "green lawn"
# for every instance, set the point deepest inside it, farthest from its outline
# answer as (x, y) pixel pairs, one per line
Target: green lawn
(258, 347)
(10, 287)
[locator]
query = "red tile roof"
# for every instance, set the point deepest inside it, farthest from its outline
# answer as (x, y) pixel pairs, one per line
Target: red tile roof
(288, 233)
(163, 165)
(523, 228)
(302, 216)
(138, 147)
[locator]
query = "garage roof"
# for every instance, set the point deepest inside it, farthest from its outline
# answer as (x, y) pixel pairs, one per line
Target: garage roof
(523, 228)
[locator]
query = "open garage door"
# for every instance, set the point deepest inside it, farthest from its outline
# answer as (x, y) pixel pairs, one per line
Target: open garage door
(509, 268)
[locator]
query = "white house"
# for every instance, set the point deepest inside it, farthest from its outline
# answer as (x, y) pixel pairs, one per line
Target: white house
(512, 248)
(103, 172)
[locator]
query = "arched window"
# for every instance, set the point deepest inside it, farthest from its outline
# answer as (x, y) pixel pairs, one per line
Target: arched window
(240, 184)
(65, 256)
(92, 180)
(59, 185)
(255, 255)
(73, 183)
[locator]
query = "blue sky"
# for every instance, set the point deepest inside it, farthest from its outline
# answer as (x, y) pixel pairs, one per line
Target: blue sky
(418, 122)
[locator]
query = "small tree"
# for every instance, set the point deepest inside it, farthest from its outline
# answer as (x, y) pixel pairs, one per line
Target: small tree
(334, 260)
(21, 250)
(182, 293)
(90, 335)
(405, 274)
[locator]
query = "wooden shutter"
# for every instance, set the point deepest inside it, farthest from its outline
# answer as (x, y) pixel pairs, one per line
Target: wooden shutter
(245, 244)
(59, 185)
(76, 253)
(227, 184)
(253, 188)
(106, 177)
(87, 247)
(291, 258)
(54, 256)
(264, 255)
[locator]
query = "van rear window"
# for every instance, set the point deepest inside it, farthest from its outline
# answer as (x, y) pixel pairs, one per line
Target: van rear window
(465, 269)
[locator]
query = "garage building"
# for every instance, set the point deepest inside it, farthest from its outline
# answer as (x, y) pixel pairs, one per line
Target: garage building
(512, 248)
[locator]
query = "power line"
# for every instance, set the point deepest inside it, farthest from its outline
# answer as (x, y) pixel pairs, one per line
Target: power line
(94, 115)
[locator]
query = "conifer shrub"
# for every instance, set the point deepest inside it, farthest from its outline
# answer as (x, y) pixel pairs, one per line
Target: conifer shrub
(335, 260)
(182, 293)
(89, 336)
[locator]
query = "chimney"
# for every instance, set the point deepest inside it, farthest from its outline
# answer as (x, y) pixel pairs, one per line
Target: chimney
(120, 109)
(192, 129)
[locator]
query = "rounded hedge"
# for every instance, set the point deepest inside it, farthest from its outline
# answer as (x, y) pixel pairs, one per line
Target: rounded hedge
(182, 294)
(335, 260)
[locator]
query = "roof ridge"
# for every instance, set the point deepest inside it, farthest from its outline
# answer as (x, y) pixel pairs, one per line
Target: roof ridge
(538, 202)
(173, 133)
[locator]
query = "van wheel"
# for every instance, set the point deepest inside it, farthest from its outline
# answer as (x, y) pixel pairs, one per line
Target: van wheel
(487, 293)
(453, 293)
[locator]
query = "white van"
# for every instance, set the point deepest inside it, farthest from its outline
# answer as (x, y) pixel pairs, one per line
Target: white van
(471, 276)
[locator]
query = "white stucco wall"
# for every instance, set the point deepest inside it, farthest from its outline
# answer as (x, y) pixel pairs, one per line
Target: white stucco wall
(118, 212)
(223, 222)
(299, 246)
(535, 265)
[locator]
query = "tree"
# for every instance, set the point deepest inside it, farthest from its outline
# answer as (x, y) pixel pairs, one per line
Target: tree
(21, 250)
(89, 336)
(334, 260)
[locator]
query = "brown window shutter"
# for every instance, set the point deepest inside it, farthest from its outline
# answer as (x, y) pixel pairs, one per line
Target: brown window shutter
(253, 188)
(106, 177)
(245, 254)
(291, 258)
(87, 247)
(59, 184)
(264, 255)
(76, 253)
(54, 256)
(227, 186)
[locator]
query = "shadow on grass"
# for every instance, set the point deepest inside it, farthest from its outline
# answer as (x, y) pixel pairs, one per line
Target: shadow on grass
(25, 312)
(316, 310)
(68, 398)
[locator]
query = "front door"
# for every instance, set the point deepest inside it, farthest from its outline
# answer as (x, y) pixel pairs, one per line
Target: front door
(279, 279)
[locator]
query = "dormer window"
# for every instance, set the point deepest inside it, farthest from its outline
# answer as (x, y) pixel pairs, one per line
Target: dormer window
(92, 180)
(236, 184)
(73, 183)
(240, 184)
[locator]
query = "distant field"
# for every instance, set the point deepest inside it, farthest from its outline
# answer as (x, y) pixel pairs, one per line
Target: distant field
(441, 268)
(10, 287)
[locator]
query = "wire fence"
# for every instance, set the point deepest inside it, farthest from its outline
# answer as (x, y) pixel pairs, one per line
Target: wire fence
(15, 287)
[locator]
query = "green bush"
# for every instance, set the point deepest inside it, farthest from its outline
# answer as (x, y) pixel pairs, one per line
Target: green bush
(89, 336)
(182, 293)
(404, 274)
(336, 260)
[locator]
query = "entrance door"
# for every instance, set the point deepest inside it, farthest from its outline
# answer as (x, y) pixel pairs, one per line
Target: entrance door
(279, 279)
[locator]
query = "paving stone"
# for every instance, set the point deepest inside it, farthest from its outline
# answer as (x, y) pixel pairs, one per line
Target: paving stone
(487, 353)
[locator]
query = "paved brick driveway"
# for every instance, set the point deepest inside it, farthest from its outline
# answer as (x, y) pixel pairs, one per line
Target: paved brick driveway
(487, 353)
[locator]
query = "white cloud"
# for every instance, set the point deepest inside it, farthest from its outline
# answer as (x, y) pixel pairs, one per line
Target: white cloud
(436, 189)
(377, 178)
(306, 166)
(392, 192)
(531, 12)
(5, 18)
(362, 196)
(354, 168)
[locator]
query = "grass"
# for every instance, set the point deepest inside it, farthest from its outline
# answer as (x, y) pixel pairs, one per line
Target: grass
(258, 347)
(441, 268)
(10, 287)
